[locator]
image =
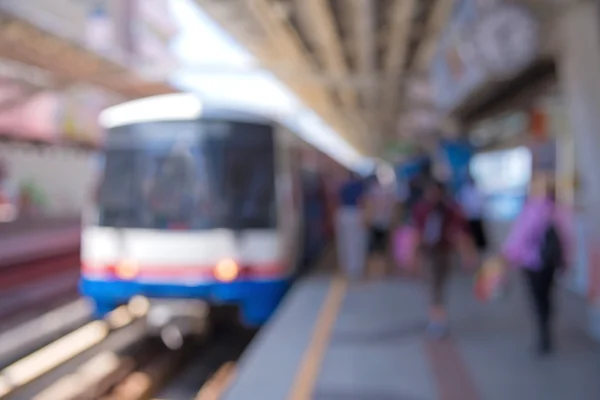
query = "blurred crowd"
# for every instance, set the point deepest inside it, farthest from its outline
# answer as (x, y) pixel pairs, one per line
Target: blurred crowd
(415, 228)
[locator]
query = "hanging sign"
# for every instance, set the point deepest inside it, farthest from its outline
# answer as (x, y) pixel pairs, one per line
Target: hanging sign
(30, 117)
(484, 42)
(456, 70)
(80, 108)
(506, 39)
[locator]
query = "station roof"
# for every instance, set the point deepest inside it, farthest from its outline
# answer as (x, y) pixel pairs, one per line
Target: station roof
(352, 61)
(68, 62)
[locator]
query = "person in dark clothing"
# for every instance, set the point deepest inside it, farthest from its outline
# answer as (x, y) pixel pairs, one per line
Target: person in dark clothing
(416, 187)
(539, 245)
(438, 221)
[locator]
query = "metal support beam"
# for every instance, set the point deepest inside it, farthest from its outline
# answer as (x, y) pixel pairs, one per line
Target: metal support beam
(68, 63)
(366, 43)
(349, 82)
(328, 44)
(401, 25)
(282, 48)
(433, 31)
(290, 52)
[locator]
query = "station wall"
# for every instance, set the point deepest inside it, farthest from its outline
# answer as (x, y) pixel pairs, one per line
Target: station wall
(61, 178)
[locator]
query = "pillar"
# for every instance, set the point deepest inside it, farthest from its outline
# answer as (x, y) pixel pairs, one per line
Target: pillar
(579, 69)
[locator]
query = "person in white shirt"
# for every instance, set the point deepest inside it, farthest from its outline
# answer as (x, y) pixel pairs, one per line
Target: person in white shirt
(471, 202)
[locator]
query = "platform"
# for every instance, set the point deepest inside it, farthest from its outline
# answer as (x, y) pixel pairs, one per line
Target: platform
(333, 341)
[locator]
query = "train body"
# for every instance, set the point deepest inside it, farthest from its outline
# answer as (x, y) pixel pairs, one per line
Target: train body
(195, 203)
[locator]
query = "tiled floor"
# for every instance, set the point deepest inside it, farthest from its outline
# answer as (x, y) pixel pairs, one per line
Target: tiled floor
(377, 351)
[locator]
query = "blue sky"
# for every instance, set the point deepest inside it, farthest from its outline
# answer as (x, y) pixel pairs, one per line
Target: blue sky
(201, 41)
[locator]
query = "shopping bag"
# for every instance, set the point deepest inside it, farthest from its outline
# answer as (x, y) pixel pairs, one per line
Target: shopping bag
(467, 251)
(491, 281)
(406, 243)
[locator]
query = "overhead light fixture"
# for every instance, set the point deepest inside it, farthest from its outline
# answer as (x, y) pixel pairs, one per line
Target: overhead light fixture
(169, 107)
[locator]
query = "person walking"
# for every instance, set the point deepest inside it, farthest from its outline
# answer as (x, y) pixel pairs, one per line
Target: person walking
(380, 202)
(539, 245)
(439, 222)
(471, 202)
(351, 235)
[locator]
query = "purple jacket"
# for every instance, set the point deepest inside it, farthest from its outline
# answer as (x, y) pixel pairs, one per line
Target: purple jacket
(522, 247)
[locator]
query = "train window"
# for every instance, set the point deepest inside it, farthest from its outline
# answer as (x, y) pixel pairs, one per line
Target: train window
(187, 176)
(216, 129)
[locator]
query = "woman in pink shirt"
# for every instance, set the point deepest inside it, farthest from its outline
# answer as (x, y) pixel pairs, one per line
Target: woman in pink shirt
(539, 245)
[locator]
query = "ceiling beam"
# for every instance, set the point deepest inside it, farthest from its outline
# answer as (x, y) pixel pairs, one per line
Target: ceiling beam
(294, 54)
(436, 23)
(355, 82)
(401, 18)
(283, 48)
(366, 44)
(328, 45)
(68, 63)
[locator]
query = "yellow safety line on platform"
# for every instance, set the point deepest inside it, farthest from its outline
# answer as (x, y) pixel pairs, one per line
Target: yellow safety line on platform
(214, 388)
(307, 374)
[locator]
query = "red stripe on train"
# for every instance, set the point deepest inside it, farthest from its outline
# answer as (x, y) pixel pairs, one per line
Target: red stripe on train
(201, 271)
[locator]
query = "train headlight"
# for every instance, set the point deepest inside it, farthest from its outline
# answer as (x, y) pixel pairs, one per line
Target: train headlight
(227, 270)
(127, 269)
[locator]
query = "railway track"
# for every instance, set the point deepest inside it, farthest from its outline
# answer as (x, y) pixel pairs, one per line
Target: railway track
(23, 272)
(113, 359)
(34, 287)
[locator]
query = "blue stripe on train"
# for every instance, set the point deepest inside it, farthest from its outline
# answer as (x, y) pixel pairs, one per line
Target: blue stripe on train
(257, 299)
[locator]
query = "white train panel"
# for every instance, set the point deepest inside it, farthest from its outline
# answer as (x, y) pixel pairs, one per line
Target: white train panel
(173, 255)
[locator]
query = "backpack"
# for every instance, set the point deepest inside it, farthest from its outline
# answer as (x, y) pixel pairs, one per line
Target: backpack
(551, 250)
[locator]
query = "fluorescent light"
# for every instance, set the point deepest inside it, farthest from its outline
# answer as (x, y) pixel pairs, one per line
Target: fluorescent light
(169, 107)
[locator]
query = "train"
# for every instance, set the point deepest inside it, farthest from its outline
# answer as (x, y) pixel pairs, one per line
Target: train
(203, 203)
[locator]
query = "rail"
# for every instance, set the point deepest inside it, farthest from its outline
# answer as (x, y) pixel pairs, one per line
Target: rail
(115, 358)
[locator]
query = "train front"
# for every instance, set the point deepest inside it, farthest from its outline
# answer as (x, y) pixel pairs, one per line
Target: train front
(186, 212)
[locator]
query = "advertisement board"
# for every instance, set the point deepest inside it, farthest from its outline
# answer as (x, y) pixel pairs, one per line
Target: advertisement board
(31, 118)
(485, 42)
(78, 116)
(456, 70)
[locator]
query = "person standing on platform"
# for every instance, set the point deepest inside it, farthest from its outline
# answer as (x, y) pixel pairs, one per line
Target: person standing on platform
(439, 222)
(539, 245)
(471, 203)
(351, 235)
(380, 207)
(415, 190)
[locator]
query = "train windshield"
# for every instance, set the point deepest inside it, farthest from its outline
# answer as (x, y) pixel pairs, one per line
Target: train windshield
(189, 175)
